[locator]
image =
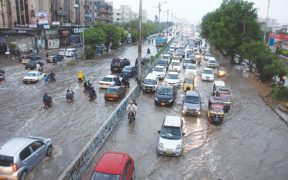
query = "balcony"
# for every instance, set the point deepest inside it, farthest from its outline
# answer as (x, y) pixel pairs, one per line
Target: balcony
(61, 13)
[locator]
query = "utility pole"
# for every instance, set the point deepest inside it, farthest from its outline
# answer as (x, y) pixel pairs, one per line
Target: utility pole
(139, 43)
(167, 23)
(266, 22)
(159, 10)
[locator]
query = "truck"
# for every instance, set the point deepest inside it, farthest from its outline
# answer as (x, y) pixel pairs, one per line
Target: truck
(160, 41)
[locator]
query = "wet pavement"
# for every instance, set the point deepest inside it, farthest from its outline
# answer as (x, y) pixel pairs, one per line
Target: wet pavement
(250, 144)
(70, 126)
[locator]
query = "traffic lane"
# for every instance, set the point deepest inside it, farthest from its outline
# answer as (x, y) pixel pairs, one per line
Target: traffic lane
(246, 146)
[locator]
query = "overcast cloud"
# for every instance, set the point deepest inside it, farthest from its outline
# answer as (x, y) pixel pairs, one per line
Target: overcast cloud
(194, 10)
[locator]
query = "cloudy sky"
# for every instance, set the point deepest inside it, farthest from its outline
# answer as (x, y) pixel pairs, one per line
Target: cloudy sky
(193, 10)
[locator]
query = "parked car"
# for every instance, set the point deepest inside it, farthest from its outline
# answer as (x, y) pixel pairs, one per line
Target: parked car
(212, 63)
(114, 166)
(160, 71)
(70, 52)
(191, 69)
(173, 79)
(118, 64)
(33, 64)
(108, 80)
(33, 77)
(56, 57)
(165, 96)
(207, 74)
(62, 52)
(20, 155)
(192, 103)
(114, 93)
(128, 71)
(171, 140)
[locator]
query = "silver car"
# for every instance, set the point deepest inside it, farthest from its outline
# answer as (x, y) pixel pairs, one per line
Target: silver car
(191, 103)
(20, 155)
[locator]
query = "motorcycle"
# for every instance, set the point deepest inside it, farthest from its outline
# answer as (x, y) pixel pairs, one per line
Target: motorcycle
(148, 51)
(80, 80)
(125, 83)
(49, 79)
(92, 97)
(131, 117)
(69, 97)
(48, 103)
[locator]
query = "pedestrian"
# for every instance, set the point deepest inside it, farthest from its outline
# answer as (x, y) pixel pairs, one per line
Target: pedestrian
(13, 57)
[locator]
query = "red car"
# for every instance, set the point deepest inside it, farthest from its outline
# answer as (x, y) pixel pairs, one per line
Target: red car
(114, 166)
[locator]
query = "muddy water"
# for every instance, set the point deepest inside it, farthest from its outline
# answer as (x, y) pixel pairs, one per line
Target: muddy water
(70, 126)
(250, 144)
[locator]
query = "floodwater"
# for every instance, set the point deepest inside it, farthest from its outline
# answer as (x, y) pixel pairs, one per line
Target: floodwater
(250, 144)
(70, 126)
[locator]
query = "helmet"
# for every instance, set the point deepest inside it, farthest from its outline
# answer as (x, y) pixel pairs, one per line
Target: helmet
(131, 102)
(45, 94)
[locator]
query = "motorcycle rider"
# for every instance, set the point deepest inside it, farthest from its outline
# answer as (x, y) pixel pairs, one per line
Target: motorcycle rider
(125, 82)
(47, 100)
(69, 95)
(81, 76)
(92, 93)
(52, 76)
(131, 108)
(148, 51)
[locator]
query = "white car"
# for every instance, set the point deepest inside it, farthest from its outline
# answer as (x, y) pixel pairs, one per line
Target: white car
(62, 52)
(170, 141)
(108, 80)
(173, 79)
(160, 71)
(70, 52)
(212, 63)
(207, 74)
(33, 77)
(175, 65)
(191, 69)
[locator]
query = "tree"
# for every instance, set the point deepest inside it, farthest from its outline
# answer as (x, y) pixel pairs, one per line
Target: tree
(94, 36)
(277, 68)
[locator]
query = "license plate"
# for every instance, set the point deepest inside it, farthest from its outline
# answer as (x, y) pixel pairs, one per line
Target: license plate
(162, 104)
(168, 152)
(111, 99)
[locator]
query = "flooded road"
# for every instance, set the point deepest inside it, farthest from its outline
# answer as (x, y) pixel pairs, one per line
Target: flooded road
(250, 144)
(70, 126)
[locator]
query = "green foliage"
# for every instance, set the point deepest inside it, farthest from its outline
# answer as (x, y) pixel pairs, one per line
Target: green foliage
(231, 25)
(94, 36)
(89, 52)
(279, 92)
(283, 52)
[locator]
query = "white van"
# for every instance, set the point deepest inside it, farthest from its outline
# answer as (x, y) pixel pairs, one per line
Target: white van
(216, 86)
(70, 52)
(150, 83)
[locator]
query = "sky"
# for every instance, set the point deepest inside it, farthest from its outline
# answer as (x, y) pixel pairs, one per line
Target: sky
(194, 10)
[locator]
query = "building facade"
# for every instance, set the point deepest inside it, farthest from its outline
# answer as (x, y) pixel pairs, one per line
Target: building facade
(102, 12)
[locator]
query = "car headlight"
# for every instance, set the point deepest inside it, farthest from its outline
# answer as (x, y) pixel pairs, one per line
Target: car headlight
(160, 145)
(178, 148)
(170, 100)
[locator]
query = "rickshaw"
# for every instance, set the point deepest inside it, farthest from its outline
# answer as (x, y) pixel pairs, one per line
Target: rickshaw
(215, 112)
(188, 83)
(225, 94)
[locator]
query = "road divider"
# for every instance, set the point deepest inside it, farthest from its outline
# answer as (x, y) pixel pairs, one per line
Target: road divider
(81, 162)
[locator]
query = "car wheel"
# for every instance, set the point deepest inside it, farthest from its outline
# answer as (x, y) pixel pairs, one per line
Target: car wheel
(24, 174)
(49, 151)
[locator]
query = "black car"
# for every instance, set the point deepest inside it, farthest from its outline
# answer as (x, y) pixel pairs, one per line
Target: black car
(56, 57)
(34, 58)
(165, 96)
(33, 64)
(117, 64)
(128, 71)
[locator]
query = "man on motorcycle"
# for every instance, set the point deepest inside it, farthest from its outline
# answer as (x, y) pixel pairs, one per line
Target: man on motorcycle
(81, 76)
(148, 51)
(69, 95)
(92, 94)
(125, 82)
(131, 108)
(47, 100)
(52, 76)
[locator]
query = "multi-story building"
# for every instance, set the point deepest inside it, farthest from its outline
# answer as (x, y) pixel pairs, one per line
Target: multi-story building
(102, 12)
(125, 14)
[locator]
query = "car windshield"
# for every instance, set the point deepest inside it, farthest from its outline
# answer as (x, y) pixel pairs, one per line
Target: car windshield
(6, 161)
(212, 61)
(31, 74)
(188, 81)
(112, 91)
(127, 68)
(191, 67)
(159, 69)
(221, 69)
(192, 99)
(207, 71)
(149, 81)
(103, 176)
(165, 91)
(169, 132)
(107, 79)
(175, 63)
(172, 76)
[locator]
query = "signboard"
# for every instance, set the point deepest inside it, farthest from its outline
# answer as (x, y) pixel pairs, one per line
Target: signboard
(32, 25)
(55, 23)
(66, 24)
(46, 26)
(77, 30)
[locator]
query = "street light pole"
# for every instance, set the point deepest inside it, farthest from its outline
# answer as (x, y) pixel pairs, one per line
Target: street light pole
(83, 25)
(266, 22)
(139, 43)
